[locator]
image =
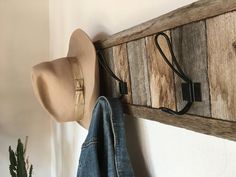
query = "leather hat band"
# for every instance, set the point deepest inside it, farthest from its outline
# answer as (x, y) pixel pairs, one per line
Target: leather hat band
(79, 88)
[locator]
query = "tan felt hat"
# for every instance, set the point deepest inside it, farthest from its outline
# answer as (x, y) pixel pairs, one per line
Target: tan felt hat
(67, 88)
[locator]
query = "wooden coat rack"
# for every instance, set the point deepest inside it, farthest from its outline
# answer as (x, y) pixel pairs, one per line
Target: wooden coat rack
(203, 36)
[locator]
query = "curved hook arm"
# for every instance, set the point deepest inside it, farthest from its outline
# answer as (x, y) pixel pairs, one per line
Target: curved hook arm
(122, 84)
(176, 70)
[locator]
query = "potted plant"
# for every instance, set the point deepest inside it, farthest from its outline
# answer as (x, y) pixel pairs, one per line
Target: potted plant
(19, 166)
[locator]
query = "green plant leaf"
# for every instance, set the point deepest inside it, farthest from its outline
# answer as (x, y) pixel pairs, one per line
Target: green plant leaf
(21, 169)
(12, 171)
(31, 170)
(12, 158)
(17, 165)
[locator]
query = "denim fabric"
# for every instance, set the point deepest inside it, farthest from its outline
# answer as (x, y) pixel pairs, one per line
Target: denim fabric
(104, 152)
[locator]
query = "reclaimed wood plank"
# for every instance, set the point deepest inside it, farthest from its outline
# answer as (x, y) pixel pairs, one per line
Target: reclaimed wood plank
(221, 32)
(221, 46)
(208, 126)
(109, 87)
(191, 13)
(160, 75)
(138, 72)
(121, 69)
(189, 44)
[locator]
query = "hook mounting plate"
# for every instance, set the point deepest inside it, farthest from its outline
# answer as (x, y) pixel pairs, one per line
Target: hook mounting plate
(191, 92)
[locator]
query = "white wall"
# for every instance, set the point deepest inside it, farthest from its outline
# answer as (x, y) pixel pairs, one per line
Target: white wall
(24, 41)
(156, 150)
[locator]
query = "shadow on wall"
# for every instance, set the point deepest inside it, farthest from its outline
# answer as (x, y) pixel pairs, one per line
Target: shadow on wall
(100, 36)
(134, 148)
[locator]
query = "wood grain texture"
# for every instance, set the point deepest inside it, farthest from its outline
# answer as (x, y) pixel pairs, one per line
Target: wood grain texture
(109, 87)
(160, 75)
(190, 48)
(214, 127)
(221, 32)
(194, 12)
(138, 71)
(121, 66)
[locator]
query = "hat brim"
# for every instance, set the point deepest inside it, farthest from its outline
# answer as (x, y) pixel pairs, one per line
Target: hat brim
(83, 49)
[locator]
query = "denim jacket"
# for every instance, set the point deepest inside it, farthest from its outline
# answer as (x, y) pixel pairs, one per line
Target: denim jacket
(104, 152)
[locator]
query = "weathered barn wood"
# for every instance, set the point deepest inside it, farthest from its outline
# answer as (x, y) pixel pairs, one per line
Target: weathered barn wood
(160, 75)
(108, 84)
(189, 44)
(214, 127)
(121, 68)
(205, 46)
(139, 73)
(221, 32)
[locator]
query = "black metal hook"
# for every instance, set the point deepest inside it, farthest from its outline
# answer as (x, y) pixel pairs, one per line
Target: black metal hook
(123, 88)
(191, 91)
